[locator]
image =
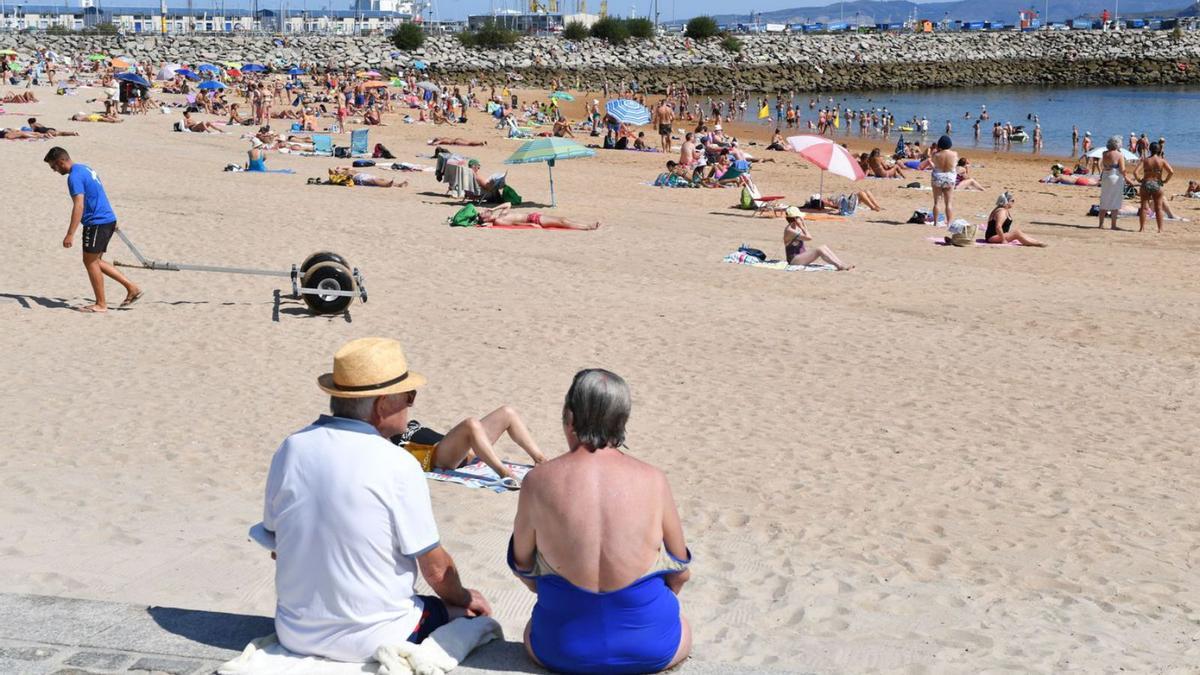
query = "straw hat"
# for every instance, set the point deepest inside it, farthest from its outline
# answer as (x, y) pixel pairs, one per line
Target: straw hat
(370, 367)
(794, 213)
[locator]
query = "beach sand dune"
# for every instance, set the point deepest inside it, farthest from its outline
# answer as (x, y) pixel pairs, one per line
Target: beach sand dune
(975, 459)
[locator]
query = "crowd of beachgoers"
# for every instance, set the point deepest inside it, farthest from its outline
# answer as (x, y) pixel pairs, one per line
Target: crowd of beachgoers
(351, 539)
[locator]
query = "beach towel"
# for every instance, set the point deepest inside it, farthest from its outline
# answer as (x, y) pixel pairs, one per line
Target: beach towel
(440, 653)
(478, 475)
(742, 258)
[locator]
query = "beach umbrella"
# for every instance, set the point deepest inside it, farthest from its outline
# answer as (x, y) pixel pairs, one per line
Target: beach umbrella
(1097, 153)
(187, 73)
(97, 57)
(397, 82)
(134, 78)
(372, 73)
(208, 68)
(295, 71)
(429, 86)
(211, 84)
(167, 72)
(231, 64)
(254, 68)
(549, 150)
(7, 52)
(122, 62)
(233, 72)
(420, 65)
(628, 111)
(828, 156)
(374, 84)
(562, 96)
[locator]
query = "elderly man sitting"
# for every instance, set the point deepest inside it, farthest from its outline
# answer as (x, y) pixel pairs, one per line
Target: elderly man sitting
(353, 522)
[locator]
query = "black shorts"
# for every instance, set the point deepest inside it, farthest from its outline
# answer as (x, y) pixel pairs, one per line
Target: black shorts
(95, 237)
(433, 617)
(664, 130)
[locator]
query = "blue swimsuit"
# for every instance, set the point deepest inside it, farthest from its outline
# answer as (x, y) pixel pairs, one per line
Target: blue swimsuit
(632, 630)
(259, 164)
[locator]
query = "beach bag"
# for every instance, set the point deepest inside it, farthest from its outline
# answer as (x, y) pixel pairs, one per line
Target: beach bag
(752, 252)
(467, 216)
(747, 199)
(382, 152)
(507, 194)
(962, 233)
(919, 217)
(341, 151)
(359, 163)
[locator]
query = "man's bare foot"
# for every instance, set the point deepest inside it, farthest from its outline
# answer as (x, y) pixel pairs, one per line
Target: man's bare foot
(845, 268)
(92, 309)
(595, 226)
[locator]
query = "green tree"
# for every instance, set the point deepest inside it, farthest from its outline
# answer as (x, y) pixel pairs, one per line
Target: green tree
(642, 29)
(702, 28)
(408, 36)
(612, 30)
(575, 31)
(490, 36)
(731, 43)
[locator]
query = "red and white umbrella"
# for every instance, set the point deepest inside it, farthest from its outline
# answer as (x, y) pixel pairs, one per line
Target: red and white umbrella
(827, 156)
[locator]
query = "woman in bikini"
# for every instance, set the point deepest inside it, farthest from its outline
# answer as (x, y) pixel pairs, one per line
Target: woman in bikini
(1154, 173)
(1000, 228)
(795, 234)
(501, 215)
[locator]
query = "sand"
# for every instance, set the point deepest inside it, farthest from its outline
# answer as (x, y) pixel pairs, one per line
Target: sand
(976, 459)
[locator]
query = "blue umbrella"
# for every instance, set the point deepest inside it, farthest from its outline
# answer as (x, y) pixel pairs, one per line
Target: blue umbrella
(253, 68)
(135, 79)
(208, 68)
(420, 65)
(295, 71)
(187, 73)
(628, 111)
(211, 84)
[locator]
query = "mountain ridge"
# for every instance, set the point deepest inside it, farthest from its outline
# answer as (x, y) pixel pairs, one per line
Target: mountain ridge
(959, 10)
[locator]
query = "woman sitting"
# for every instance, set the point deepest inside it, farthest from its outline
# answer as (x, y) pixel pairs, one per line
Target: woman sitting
(777, 142)
(198, 126)
(256, 156)
(469, 439)
(879, 169)
(795, 251)
(562, 128)
(965, 181)
(501, 215)
(598, 538)
(1000, 228)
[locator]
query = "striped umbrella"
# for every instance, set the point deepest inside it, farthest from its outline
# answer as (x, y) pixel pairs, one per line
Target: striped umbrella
(562, 96)
(828, 156)
(549, 150)
(628, 111)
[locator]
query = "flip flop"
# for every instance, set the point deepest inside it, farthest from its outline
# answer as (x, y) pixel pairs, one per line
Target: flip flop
(135, 298)
(90, 310)
(509, 483)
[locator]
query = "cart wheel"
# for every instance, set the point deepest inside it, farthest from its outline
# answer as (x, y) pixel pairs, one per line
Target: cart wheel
(320, 257)
(330, 276)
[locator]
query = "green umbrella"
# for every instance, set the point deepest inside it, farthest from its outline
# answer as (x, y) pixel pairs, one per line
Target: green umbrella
(562, 96)
(7, 52)
(97, 57)
(397, 82)
(549, 150)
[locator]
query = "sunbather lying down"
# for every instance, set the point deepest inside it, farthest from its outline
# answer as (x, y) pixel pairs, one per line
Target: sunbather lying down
(344, 175)
(501, 215)
(470, 439)
(23, 97)
(444, 140)
(96, 117)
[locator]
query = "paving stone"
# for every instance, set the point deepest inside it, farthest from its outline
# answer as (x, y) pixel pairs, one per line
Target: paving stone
(26, 653)
(73, 671)
(157, 664)
(101, 660)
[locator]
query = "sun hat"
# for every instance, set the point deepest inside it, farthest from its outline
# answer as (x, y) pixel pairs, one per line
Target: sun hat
(794, 212)
(372, 366)
(472, 163)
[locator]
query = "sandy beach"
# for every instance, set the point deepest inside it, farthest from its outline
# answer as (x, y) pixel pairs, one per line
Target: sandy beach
(947, 460)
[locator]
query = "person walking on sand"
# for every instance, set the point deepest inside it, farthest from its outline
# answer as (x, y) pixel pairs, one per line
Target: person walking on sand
(1153, 173)
(944, 177)
(664, 117)
(91, 210)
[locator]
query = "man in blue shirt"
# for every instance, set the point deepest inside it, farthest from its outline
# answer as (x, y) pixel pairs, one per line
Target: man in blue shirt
(91, 210)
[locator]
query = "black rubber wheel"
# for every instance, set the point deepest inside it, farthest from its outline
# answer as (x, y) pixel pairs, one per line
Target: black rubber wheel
(328, 276)
(320, 257)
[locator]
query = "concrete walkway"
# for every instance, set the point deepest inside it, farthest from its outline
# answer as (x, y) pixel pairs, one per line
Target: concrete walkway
(61, 636)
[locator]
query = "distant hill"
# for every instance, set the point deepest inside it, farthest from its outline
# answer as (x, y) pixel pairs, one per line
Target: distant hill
(961, 10)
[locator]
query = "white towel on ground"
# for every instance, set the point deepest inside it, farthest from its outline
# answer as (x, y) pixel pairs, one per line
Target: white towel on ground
(440, 653)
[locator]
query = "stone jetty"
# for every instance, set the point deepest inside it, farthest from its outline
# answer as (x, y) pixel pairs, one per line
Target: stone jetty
(765, 62)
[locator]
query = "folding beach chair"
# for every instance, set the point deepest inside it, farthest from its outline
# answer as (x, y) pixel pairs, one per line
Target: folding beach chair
(358, 143)
(752, 199)
(322, 144)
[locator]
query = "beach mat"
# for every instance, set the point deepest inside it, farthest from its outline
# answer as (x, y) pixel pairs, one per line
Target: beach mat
(941, 241)
(743, 259)
(477, 475)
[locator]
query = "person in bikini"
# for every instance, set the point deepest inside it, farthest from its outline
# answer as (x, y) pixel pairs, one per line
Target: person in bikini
(199, 127)
(362, 178)
(50, 132)
(964, 178)
(795, 250)
(501, 215)
(944, 179)
(1000, 228)
(96, 117)
(1154, 173)
(468, 440)
(877, 168)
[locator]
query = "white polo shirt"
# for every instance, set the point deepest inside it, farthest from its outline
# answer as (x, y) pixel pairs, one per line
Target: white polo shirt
(351, 513)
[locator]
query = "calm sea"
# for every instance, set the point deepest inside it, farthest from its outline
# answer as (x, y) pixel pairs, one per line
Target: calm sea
(1158, 111)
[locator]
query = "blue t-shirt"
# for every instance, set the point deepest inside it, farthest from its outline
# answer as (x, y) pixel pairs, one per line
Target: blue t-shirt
(96, 209)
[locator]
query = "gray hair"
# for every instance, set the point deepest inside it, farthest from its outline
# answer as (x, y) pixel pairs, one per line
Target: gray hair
(352, 408)
(599, 404)
(1004, 199)
(1113, 143)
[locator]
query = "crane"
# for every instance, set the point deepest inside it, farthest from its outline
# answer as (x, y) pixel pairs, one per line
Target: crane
(540, 6)
(603, 8)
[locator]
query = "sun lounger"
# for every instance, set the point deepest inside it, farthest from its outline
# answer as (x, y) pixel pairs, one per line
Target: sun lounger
(322, 144)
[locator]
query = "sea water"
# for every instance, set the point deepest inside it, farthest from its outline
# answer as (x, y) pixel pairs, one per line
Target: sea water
(1169, 112)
